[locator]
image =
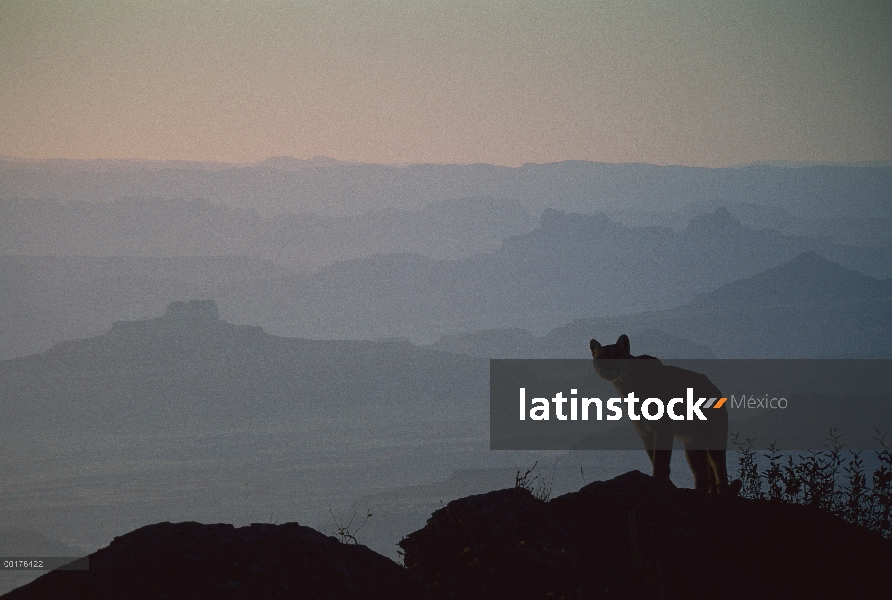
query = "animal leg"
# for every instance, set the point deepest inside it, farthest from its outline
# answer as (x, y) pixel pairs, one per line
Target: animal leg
(662, 453)
(699, 463)
(661, 463)
(647, 439)
(713, 478)
(719, 466)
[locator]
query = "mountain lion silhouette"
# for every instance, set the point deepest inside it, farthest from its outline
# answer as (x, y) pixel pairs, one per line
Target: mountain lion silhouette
(705, 442)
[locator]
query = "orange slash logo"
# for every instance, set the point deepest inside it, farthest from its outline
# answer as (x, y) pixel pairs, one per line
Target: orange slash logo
(721, 401)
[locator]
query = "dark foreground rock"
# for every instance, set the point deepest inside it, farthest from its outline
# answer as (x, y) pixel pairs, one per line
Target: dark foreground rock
(632, 537)
(191, 560)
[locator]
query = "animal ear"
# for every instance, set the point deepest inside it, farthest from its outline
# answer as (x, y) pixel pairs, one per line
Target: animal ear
(623, 343)
(594, 346)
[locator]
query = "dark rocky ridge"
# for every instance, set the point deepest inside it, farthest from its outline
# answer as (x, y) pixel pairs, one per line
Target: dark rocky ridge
(192, 560)
(633, 537)
(630, 537)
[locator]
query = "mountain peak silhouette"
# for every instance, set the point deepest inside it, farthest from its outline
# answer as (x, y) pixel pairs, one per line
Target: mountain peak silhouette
(804, 280)
(720, 219)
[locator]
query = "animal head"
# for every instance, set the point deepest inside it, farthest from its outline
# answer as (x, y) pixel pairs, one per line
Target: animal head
(610, 360)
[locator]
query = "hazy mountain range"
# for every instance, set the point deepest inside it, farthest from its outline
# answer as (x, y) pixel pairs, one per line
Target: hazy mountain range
(572, 266)
(47, 300)
(189, 369)
(849, 204)
(157, 227)
(105, 433)
(806, 308)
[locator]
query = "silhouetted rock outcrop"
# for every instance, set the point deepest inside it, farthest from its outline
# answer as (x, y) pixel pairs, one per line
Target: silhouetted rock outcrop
(632, 537)
(191, 560)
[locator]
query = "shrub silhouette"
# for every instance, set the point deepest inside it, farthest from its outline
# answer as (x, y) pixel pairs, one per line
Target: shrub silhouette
(827, 479)
(540, 490)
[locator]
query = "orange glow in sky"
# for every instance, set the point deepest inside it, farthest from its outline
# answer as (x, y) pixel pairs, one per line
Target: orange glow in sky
(708, 83)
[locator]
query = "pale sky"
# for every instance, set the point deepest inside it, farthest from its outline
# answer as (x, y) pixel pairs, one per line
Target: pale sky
(710, 83)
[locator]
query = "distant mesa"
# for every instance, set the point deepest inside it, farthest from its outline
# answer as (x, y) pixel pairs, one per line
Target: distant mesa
(182, 316)
(205, 310)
